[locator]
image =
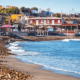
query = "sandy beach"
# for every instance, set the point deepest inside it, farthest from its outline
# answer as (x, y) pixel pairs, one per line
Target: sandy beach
(34, 70)
(31, 69)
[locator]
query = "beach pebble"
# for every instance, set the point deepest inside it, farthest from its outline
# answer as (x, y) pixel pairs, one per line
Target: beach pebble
(1, 76)
(6, 73)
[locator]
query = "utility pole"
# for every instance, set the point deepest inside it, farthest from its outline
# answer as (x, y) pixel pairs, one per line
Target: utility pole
(40, 10)
(61, 13)
(0, 24)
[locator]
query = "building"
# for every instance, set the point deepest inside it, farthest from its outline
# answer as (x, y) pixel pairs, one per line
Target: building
(8, 6)
(69, 26)
(16, 17)
(53, 22)
(0, 7)
(3, 18)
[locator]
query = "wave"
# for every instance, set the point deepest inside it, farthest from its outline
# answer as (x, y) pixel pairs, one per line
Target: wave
(28, 53)
(13, 44)
(17, 42)
(17, 50)
(50, 67)
(14, 47)
(75, 39)
(67, 40)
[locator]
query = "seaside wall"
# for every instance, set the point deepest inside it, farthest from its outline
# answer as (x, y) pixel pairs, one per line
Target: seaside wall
(20, 33)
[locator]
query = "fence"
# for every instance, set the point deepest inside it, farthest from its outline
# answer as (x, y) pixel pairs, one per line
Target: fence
(19, 33)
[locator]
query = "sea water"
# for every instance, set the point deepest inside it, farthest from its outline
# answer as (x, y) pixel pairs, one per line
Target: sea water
(61, 56)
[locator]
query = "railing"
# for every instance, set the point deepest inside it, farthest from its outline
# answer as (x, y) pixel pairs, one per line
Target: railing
(19, 33)
(76, 31)
(68, 31)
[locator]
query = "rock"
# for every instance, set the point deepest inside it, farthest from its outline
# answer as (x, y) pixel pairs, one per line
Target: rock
(6, 42)
(9, 76)
(1, 76)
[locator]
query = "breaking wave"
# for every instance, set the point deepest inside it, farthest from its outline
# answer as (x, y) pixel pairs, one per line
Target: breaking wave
(67, 40)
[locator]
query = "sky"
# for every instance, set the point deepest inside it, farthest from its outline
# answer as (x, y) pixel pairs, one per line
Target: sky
(64, 6)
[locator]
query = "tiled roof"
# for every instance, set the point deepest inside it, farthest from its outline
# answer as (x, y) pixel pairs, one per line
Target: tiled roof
(45, 18)
(3, 14)
(76, 21)
(69, 24)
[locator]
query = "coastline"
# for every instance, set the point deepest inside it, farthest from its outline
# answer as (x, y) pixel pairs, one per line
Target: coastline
(33, 69)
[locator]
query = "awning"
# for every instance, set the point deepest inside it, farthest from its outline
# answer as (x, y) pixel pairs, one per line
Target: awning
(49, 27)
(29, 26)
(69, 24)
(6, 26)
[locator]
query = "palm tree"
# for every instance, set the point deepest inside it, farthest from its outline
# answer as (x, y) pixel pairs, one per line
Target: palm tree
(44, 27)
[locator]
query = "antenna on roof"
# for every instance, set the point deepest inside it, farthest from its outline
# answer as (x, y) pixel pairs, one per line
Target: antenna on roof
(40, 10)
(48, 9)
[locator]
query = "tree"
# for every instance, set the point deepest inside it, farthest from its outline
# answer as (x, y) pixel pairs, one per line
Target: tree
(64, 15)
(12, 21)
(32, 24)
(34, 8)
(78, 13)
(44, 27)
(12, 10)
(25, 10)
(57, 15)
(2, 10)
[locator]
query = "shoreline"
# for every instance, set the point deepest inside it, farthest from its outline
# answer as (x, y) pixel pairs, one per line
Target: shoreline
(38, 66)
(58, 71)
(33, 69)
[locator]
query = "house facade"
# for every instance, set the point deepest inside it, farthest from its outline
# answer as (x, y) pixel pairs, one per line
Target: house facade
(69, 26)
(53, 22)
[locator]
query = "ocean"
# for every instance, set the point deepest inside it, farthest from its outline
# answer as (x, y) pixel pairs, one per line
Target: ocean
(59, 56)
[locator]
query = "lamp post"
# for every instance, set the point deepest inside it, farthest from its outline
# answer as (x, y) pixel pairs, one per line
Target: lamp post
(0, 24)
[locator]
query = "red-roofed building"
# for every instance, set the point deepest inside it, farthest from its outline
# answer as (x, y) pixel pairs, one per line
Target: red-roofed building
(69, 27)
(46, 21)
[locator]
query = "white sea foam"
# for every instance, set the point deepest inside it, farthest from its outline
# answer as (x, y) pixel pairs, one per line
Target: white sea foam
(56, 68)
(18, 50)
(14, 47)
(67, 40)
(13, 44)
(75, 39)
(29, 53)
(17, 42)
(50, 67)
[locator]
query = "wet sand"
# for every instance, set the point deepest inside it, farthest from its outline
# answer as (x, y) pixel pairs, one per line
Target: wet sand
(5, 72)
(30, 69)
(34, 70)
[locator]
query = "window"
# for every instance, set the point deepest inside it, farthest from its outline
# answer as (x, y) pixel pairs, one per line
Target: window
(36, 22)
(53, 22)
(30, 21)
(47, 21)
(41, 21)
(58, 21)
